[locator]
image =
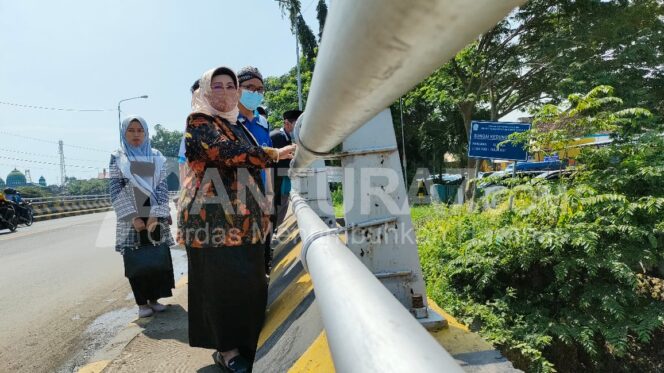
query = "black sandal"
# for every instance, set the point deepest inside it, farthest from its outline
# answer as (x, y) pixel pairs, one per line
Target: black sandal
(238, 364)
(219, 360)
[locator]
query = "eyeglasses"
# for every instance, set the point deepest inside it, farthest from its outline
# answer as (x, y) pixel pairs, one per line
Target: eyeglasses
(219, 87)
(253, 88)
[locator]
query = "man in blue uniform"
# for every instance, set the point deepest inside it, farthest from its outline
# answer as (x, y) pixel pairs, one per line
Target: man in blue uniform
(252, 92)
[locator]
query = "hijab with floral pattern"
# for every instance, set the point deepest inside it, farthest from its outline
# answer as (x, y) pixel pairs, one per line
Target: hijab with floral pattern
(202, 97)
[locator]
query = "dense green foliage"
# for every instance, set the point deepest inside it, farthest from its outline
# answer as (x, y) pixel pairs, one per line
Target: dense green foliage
(541, 53)
(633, 169)
(306, 38)
(554, 279)
(167, 142)
(554, 127)
(34, 191)
(87, 187)
(281, 92)
(321, 15)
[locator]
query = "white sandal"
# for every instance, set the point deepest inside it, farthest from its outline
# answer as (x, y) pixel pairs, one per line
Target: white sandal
(156, 306)
(145, 311)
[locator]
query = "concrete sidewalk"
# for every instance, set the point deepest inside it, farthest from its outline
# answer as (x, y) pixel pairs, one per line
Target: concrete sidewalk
(155, 344)
(293, 338)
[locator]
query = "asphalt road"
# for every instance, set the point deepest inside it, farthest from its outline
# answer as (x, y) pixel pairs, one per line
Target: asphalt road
(63, 293)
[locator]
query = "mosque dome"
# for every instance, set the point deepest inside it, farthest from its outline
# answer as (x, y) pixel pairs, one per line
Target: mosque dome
(16, 178)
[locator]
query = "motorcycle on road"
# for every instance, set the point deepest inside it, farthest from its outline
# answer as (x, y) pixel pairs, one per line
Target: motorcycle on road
(24, 213)
(22, 209)
(8, 218)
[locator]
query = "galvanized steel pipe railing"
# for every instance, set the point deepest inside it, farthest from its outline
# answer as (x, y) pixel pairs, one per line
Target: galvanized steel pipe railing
(374, 51)
(368, 330)
(62, 199)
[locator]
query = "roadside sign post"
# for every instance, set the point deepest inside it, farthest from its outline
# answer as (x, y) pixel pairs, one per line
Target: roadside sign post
(514, 176)
(485, 138)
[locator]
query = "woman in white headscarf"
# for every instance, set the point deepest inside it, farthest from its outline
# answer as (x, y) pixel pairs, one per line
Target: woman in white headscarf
(139, 194)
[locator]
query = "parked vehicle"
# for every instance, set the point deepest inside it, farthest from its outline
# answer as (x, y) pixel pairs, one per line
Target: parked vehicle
(536, 166)
(555, 175)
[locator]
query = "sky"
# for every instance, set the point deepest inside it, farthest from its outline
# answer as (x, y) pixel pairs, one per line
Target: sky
(88, 55)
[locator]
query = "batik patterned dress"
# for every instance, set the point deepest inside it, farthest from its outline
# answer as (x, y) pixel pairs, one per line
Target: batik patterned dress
(223, 221)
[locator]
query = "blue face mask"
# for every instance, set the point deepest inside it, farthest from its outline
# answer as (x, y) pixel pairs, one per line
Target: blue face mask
(251, 100)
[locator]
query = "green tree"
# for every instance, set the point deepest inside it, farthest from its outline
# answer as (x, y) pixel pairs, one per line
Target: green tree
(166, 141)
(431, 129)
(307, 40)
(281, 91)
(546, 51)
(598, 111)
(34, 191)
(87, 187)
(321, 15)
(560, 281)
(542, 52)
(616, 43)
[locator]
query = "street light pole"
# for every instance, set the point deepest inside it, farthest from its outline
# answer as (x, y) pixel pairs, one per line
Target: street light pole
(119, 118)
(299, 76)
(403, 143)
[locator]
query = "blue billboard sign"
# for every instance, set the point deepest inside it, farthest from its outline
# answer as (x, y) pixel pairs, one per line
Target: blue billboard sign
(485, 137)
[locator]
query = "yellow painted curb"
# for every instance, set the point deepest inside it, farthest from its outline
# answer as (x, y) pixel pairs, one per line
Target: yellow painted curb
(284, 305)
(456, 338)
(316, 359)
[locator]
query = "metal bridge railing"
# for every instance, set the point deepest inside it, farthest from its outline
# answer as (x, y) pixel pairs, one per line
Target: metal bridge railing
(373, 51)
(368, 330)
(56, 199)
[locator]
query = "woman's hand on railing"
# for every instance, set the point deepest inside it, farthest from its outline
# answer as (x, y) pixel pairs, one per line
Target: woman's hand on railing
(287, 152)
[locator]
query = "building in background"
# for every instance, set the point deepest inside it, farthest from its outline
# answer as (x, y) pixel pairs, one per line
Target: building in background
(17, 178)
(103, 175)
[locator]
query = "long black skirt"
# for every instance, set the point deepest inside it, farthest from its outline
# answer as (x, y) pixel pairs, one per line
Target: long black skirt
(153, 287)
(227, 297)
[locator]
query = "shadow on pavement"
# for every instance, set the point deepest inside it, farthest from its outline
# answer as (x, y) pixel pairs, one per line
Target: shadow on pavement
(209, 369)
(170, 324)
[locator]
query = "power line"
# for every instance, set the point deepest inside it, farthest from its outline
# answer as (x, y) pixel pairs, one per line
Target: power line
(52, 108)
(45, 155)
(46, 170)
(23, 166)
(47, 163)
(54, 142)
